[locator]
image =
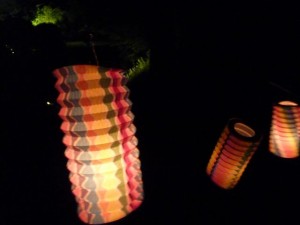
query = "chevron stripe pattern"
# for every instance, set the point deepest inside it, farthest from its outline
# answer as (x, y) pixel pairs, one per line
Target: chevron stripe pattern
(101, 146)
(232, 153)
(285, 129)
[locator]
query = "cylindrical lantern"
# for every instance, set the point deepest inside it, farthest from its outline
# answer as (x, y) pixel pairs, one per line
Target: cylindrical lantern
(285, 129)
(101, 147)
(232, 153)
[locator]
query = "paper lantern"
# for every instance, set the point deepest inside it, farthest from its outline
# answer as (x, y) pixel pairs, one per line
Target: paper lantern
(101, 147)
(285, 130)
(232, 153)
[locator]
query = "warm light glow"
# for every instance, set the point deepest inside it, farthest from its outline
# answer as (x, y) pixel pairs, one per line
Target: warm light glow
(101, 147)
(288, 103)
(233, 151)
(285, 129)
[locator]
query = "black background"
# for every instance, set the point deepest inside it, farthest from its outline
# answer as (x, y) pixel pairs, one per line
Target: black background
(209, 62)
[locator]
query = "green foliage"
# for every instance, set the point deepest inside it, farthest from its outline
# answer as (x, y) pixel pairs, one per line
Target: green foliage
(120, 33)
(47, 14)
(142, 65)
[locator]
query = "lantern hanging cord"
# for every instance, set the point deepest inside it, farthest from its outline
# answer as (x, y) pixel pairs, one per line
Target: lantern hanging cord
(92, 43)
(282, 88)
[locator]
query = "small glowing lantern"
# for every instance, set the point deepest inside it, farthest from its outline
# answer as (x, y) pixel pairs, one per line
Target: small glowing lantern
(285, 129)
(101, 147)
(232, 153)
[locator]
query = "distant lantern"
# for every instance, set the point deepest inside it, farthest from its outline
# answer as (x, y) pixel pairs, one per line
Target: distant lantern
(232, 153)
(101, 147)
(285, 129)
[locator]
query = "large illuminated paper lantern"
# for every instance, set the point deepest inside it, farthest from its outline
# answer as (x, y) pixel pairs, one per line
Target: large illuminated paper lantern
(101, 147)
(232, 153)
(285, 129)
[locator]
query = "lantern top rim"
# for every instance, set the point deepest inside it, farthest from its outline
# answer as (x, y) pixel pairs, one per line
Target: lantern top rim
(287, 103)
(88, 66)
(243, 130)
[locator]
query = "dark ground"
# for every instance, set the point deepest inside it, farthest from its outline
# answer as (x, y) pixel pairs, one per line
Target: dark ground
(209, 64)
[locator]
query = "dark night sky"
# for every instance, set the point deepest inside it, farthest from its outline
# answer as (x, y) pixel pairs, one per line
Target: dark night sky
(210, 62)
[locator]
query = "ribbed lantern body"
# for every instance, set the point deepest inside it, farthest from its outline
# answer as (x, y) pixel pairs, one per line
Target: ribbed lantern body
(285, 129)
(101, 147)
(232, 153)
